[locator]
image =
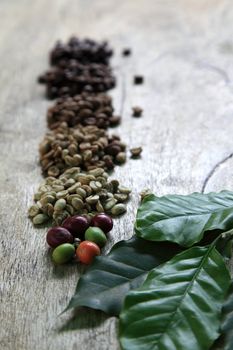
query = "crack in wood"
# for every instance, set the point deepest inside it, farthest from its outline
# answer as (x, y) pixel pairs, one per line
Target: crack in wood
(213, 171)
(216, 69)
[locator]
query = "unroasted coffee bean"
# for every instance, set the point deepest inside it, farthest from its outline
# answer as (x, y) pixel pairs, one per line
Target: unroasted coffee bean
(84, 51)
(89, 195)
(88, 147)
(85, 109)
(72, 78)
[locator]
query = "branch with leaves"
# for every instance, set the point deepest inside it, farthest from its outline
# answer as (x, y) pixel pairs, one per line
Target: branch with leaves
(169, 282)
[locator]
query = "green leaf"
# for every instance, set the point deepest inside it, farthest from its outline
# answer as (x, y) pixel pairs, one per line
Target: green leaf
(184, 219)
(179, 305)
(227, 325)
(110, 277)
(225, 342)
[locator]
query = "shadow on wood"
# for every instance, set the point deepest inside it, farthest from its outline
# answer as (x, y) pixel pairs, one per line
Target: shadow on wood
(84, 318)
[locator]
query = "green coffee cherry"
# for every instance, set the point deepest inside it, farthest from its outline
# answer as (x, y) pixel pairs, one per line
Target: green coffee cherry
(96, 235)
(63, 253)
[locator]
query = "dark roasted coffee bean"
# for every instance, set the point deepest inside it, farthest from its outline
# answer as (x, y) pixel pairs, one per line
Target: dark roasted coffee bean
(138, 79)
(84, 51)
(74, 77)
(126, 52)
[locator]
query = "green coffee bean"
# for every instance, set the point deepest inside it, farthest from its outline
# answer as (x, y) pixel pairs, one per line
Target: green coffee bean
(109, 204)
(92, 199)
(87, 189)
(62, 194)
(33, 210)
(96, 172)
(121, 197)
(50, 210)
(99, 207)
(73, 188)
(60, 204)
(77, 203)
(95, 186)
(80, 191)
(68, 183)
(40, 219)
(123, 189)
(118, 209)
(37, 196)
(70, 209)
(45, 199)
(58, 188)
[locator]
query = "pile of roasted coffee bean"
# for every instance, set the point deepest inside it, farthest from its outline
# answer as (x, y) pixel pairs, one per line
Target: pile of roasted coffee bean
(77, 153)
(85, 109)
(84, 51)
(78, 66)
(80, 237)
(71, 78)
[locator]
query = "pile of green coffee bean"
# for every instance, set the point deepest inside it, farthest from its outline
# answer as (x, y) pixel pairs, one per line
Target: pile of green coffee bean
(75, 192)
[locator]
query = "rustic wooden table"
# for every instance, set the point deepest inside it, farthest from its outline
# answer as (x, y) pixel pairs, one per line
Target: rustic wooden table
(184, 49)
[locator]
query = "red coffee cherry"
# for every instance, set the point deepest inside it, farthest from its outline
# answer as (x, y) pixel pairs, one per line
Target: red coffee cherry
(86, 252)
(77, 225)
(57, 236)
(102, 221)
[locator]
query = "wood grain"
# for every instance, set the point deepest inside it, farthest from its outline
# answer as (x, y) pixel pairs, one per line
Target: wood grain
(184, 49)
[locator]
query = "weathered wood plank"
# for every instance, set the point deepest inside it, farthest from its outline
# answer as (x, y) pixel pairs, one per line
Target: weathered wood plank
(184, 50)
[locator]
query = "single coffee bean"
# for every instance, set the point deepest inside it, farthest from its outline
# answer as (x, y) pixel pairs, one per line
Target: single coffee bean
(136, 152)
(118, 209)
(137, 111)
(126, 52)
(138, 79)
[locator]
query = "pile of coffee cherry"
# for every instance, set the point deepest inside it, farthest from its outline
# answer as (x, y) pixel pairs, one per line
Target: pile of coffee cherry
(79, 237)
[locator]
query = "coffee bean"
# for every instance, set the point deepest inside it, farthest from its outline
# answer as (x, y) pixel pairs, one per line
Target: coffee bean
(88, 147)
(138, 79)
(74, 77)
(126, 52)
(84, 51)
(137, 111)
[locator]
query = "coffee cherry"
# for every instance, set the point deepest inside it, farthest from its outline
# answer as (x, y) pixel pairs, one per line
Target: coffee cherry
(57, 236)
(96, 235)
(63, 253)
(86, 252)
(77, 225)
(102, 221)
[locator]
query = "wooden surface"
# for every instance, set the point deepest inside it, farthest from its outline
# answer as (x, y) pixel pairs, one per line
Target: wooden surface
(185, 51)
